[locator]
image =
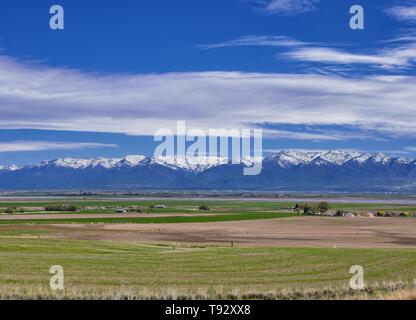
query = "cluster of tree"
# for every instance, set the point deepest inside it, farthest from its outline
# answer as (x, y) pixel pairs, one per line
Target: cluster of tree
(11, 210)
(61, 207)
(204, 207)
(404, 214)
(311, 209)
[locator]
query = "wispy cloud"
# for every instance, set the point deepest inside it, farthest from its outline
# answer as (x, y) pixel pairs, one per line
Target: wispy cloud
(287, 6)
(20, 146)
(255, 40)
(399, 53)
(312, 150)
(321, 135)
(40, 97)
(405, 13)
(397, 57)
(407, 35)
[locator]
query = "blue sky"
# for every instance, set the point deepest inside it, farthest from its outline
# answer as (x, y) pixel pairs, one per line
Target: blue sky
(121, 70)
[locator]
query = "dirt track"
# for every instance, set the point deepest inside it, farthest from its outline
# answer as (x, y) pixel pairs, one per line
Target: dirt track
(288, 232)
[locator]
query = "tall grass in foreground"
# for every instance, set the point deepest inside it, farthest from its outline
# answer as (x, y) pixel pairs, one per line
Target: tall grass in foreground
(384, 291)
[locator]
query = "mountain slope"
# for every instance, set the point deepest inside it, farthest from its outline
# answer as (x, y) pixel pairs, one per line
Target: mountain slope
(286, 171)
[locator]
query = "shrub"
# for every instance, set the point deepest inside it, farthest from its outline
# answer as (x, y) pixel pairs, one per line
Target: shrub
(61, 207)
(204, 207)
(308, 209)
(340, 213)
(297, 208)
(405, 214)
(10, 210)
(381, 213)
(323, 206)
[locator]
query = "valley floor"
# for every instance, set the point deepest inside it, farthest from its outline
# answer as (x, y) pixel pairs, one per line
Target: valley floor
(245, 251)
(298, 231)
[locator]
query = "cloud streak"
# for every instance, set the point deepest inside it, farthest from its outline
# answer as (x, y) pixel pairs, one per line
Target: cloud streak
(401, 53)
(288, 6)
(393, 58)
(254, 40)
(404, 13)
(22, 146)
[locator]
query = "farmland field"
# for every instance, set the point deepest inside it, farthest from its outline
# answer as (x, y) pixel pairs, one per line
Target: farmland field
(202, 249)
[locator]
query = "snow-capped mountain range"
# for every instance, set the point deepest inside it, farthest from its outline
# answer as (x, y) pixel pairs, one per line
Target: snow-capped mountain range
(192, 164)
(196, 164)
(339, 158)
(284, 159)
(286, 170)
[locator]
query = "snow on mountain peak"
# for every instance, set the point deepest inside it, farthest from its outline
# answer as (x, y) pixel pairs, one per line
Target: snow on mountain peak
(10, 168)
(380, 158)
(404, 160)
(362, 158)
(288, 158)
(107, 163)
(102, 162)
(197, 164)
(338, 157)
(130, 161)
(68, 163)
(134, 160)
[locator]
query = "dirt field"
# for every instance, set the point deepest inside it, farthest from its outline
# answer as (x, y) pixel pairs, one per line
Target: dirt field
(287, 232)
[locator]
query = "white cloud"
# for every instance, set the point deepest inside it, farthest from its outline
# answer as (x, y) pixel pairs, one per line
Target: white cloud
(397, 57)
(19, 146)
(406, 13)
(312, 150)
(35, 96)
(394, 57)
(254, 40)
(289, 6)
(324, 135)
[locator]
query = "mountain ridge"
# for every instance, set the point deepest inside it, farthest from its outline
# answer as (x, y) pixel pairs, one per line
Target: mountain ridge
(288, 170)
(283, 158)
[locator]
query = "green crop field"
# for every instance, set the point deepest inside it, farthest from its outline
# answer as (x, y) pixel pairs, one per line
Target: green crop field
(169, 219)
(101, 269)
